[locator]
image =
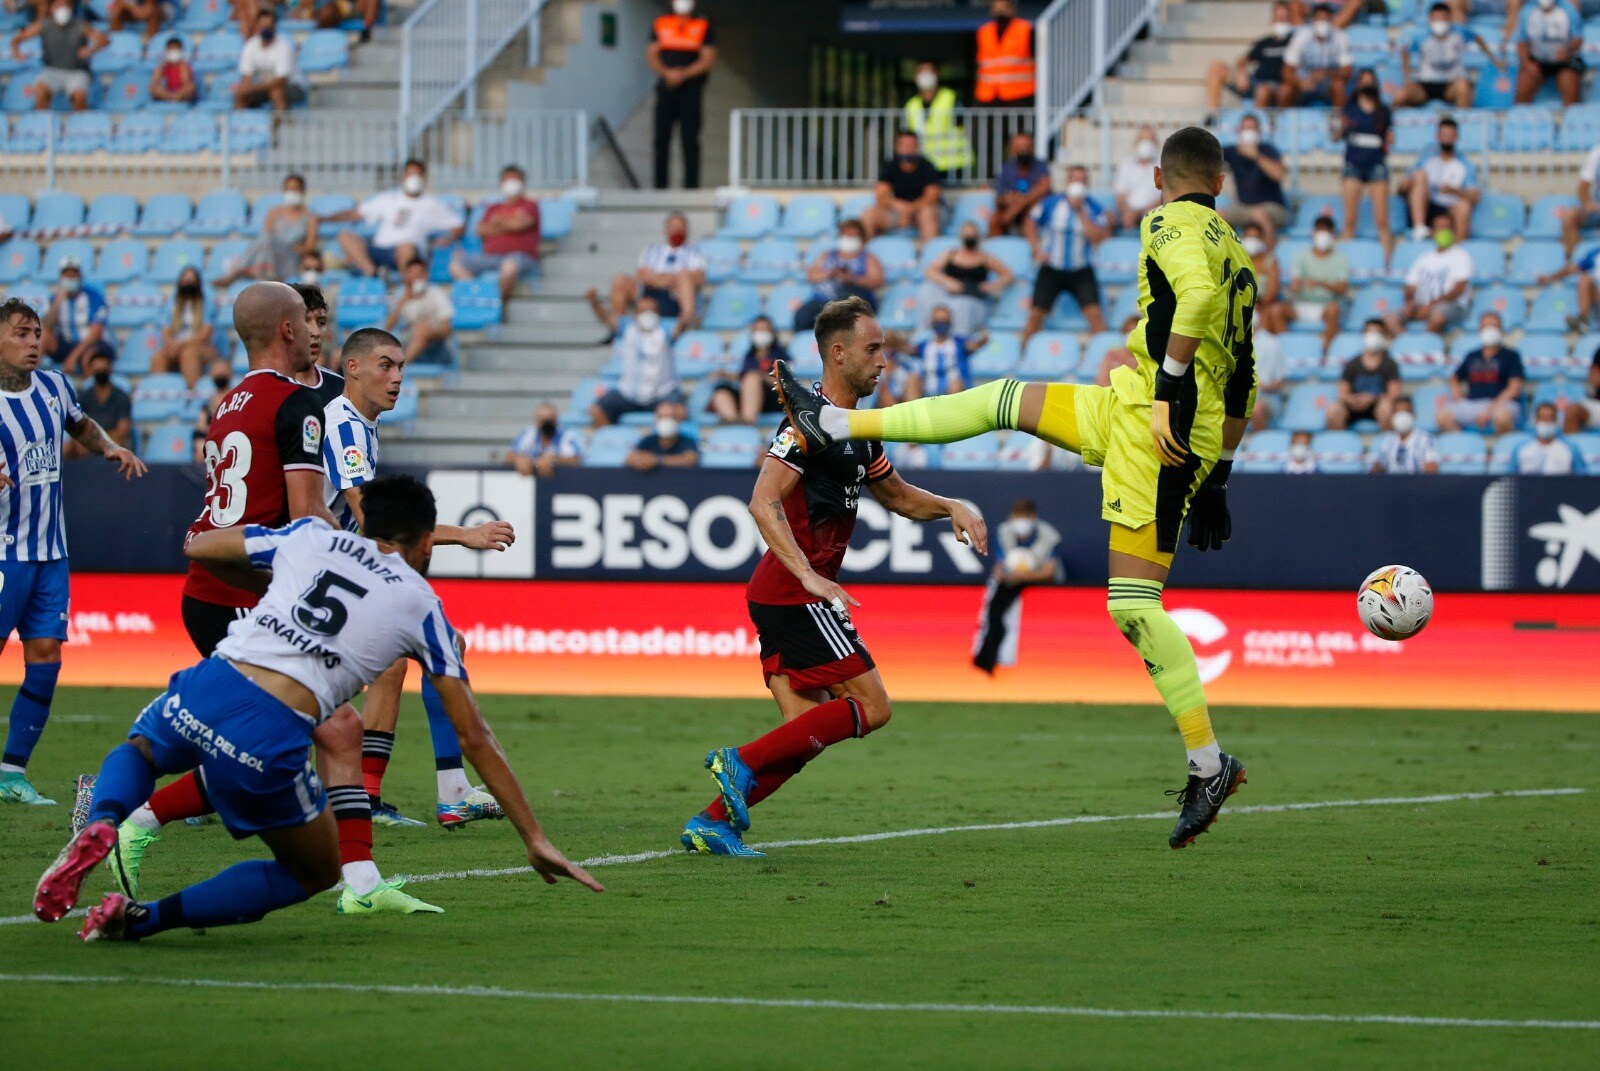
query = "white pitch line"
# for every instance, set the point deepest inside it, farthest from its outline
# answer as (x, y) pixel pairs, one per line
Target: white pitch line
(987, 827)
(480, 992)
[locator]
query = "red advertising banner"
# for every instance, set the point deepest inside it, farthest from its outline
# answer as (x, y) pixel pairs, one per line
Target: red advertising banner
(1513, 652)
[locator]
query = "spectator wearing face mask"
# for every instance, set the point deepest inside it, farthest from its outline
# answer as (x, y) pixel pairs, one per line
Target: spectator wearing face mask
(1023, 181)
(649, 372)
(1271, 312)
(75, 323)
(665, 445)
(219, 380)
(1433, 61)
(1549, 43)
(1319, 281)
(544, 445)
(681, 53)
(1301, 461)
(267, 71)
(1317, 63)
(1028, 557)
(1438, 285)
(907, 193)
(407, 220)
(1063, 231)
(288, 234)
(1369, 384)
(66, 43)
(1486, 390)
(1134, 185)
(187, 337)
(965, 280)
(846, 270)
(103, 402)
(1271, 373)
(1443, 182)
(1547, 453)
(940, 365)
(510, 234)
(746, 395)
(1256, 76)
(1405, 450)
(1367, 127)
(670, 273)
(930, 115)
(428, 316)
(1258, 174)
(173, 81)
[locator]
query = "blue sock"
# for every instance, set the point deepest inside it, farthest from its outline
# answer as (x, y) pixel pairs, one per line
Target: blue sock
(446, 744)
(126, 780)
(244, 892)
(29, 711)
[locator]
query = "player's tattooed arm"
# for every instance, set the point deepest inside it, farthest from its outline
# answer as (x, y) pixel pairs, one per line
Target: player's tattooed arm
(774, 483)
(92, 437)
(897, 496)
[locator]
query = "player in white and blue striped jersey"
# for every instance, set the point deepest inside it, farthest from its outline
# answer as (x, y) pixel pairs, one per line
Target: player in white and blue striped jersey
(339, 610)
(37, 409)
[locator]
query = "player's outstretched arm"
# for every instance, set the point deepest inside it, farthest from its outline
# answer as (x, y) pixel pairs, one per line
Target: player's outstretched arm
(93, 438)
(224, 554)
(773, 484)
(480, 747)
(491, 535)
(897, 496)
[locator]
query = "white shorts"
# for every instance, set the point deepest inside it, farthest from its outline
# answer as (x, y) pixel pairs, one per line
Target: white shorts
(57, 80)
(1471, 410)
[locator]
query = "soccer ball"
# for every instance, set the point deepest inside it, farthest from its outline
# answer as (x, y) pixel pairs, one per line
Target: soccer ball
(1395, 602)
(1021, 560)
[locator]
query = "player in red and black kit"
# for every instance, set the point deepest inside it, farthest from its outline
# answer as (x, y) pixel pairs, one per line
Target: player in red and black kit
(818, 670)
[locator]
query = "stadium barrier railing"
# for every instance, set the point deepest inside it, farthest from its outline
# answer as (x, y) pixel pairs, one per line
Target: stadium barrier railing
(1076, 44)
(445, 45)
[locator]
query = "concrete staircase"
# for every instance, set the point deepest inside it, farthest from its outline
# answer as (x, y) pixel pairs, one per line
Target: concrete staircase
(1166, 73)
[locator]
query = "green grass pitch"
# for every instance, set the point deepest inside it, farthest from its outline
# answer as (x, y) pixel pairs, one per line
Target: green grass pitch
(1479, 909)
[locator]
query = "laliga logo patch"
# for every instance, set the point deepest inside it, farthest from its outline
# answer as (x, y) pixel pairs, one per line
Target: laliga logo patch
(354, 463)
(784, 442)
(311, 435)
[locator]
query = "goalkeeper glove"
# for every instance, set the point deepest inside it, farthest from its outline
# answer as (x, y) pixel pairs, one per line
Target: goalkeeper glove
(1209, 522)
(1166, 413)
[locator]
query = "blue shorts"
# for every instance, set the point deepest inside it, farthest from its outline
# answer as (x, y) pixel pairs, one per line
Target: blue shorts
(479, 263)
(253, 752)
(1376, 171)
(33, 600)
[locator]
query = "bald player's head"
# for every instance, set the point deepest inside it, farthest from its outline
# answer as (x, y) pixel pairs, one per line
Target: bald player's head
(1191, 162)
(271, 321)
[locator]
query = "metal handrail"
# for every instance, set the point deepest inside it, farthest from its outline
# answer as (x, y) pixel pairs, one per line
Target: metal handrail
(445, 46)
(1071, 66)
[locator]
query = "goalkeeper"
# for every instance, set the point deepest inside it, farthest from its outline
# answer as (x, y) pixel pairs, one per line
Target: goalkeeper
(1164, 432)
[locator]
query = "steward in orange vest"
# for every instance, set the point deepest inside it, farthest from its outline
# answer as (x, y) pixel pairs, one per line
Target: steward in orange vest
(681, 53)
(1005, 58)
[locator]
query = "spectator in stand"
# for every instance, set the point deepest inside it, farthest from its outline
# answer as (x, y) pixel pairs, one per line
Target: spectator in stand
(1405, 449)
(1005, 66)
(746, 396)
(428, 316)
(1271, 311)
(1547, 453)
(1584, 412)
(1258, 174)
(965, 280)
(930, 114)
(1587, 211)
(173, 81)
(1369, 384)
(75, 323)
(1367, 127)
(1257, 76)
(1063, 230)
(1271, 372)
(544, 445)
(331, 14)
(1135, 184)
(220, 375)
(510, 233)
(846, 270)
(1438, 285)
(1301, 461)
(187, 344)
(66, 42)
(1444, 181)
(670, 273)
(288, 235)
(1118, 356)
(649, 373)
(1319, 281)
(149, 12)
(681, 53)
(267, 71)
(103, 402)
(1023, 182)
(1486, 390)
(406, 219)
(665, 446)
(1550, 45)
(940, 366)
(907, 192)
(1433, 61)
(1586, 267)
(1317, 64)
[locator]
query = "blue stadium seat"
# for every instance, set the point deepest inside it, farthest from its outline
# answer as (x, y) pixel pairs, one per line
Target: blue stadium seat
(808, 216)
(1416, 137)
(162, 396)
(1533, 259)
(1488, 260)
(932, 250)
(30, 58)
(113, 210)
(897, 310)
(1496, 90)
(585, 394)
(28, 133)
(129, 92)
(1369, 44)
(1012, 251)
(175, 254)
(258, 212)
(1366, 221)
(332, 204)
(1339, 452)
(783, 301)
(732, 307)
(168, 443)
(218, 52)
(1311, 208)
(1306, 408)
(973, 206)
(1302, 356)
(897, 254)
(477, 303)
(1124, 305)
(751, 216)
(219, 212)
(52, 210)
(1095, 352)
(18, 96)
(1463, 453)
(555, 217)
(978, 453)
(998, 358)
(1552, 307)
(1011, 309)
(1425, 400)
(248, 131)
(1580, 127)
(1117, 259)
(139, 132)
(1587, 444)
(771, 260)
(1377, 299)
(1559, 392)
(363, 302)
(1285, 252)
(200, 16)
(732, 446)
(164, 215)
(1503, 458)
(136, 304)
(1545, 356)
(133, 358)
(1263, 452)
(191, 132)
(1302, 130)
(122, 261)
(324, 50)
(1499, 216)
(1015, 453)
(610, 446)
(803, 354)
(125, 50)
(1420, 355)
(1051, 356)
(79, 249)
(855, 205)
(36, 295)
(216, 97)
(19, 259)
(1505, 300)
(696, 353)
(724, 256)
(1583, 353)
(406, 407)
(1366, 259)
(225, 257)
(1527, 128)
(1542, 221)
(15, 208)
(1345, 346)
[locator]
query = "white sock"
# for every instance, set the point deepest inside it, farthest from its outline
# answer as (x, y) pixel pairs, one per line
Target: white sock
(1205, 761)
(453, 785)
(145, 818)
(361, 877)
(6, 767)
(835, 422)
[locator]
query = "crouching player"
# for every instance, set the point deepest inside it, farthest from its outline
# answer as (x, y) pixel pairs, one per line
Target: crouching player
(339, 610)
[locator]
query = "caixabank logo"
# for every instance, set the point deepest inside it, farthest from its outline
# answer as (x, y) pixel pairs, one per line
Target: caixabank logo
(1541, 534)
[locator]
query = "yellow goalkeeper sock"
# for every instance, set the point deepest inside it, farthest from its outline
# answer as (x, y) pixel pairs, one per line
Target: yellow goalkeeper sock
(945, 419)
(1135, 606)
